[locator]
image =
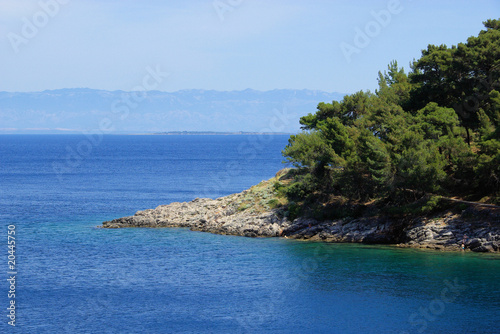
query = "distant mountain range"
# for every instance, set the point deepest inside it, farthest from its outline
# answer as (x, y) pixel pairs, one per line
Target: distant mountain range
(90, 110)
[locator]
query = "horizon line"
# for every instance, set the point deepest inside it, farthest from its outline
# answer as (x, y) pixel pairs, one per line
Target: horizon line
(175, 91)
(138, 133)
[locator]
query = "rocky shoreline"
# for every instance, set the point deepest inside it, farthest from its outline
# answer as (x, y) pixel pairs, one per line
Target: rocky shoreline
(251, 214)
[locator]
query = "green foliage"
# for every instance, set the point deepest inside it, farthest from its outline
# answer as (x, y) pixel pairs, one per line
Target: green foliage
(435, 122)
(376, 162)
(309, 149)
(273, 203)
(422, 206)
(279, 188)
(488, 167)
(436, 129)
(421, 168)
(460, 77)
(294, 211)
(335, 135)
(303, 187)
(394, 85)
(244, 206)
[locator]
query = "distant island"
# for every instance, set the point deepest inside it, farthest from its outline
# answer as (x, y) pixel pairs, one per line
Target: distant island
(215, 133)
(77, 110)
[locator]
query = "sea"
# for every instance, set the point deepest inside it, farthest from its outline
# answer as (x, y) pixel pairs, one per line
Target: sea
(61, 273)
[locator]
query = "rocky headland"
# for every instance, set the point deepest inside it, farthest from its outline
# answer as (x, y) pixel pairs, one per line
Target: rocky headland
(259, 212)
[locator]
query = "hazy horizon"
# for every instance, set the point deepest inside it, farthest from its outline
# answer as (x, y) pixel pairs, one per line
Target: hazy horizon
(332, 46)
(206, 47)
(102, 111)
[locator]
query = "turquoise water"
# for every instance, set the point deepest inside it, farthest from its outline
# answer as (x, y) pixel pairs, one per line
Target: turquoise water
(76, 278)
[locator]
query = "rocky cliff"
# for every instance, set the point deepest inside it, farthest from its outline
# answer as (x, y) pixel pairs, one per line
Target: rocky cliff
(257, 212)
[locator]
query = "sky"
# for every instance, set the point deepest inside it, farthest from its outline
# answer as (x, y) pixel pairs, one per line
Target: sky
(328, 45)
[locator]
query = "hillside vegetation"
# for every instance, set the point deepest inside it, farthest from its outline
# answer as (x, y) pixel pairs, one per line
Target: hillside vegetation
(423, 135)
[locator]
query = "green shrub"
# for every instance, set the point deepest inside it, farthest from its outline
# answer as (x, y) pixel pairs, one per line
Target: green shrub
(273, 203)
(433, 203)
(294, 211)
(244, 206)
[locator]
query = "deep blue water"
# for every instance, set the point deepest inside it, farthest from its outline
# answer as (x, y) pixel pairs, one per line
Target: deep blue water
(75, 278)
